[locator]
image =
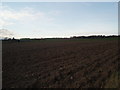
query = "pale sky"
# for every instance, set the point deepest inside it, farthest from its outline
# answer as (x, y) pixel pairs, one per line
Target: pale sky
(58, 19)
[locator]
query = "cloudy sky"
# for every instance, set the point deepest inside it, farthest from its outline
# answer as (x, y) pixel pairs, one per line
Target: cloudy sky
(58, 19)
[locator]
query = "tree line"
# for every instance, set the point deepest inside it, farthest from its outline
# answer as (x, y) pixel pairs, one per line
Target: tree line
(73, 37)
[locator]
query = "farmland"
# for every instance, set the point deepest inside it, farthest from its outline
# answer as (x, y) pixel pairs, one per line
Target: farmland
(63, 63)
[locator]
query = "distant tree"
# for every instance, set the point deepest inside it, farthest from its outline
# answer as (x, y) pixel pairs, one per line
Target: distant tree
(13, 38)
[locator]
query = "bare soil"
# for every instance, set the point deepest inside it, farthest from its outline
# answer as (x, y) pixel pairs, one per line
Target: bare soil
(63, 64)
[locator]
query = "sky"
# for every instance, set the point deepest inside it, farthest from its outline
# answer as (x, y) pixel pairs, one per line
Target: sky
(58, 19)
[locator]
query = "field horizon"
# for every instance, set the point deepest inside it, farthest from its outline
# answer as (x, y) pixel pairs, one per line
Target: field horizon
(60, 44)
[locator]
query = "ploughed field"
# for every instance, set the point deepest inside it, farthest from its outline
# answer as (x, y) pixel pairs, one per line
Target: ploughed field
(63, 63)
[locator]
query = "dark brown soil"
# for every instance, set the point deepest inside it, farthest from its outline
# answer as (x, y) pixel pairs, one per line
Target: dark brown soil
(53, 64)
